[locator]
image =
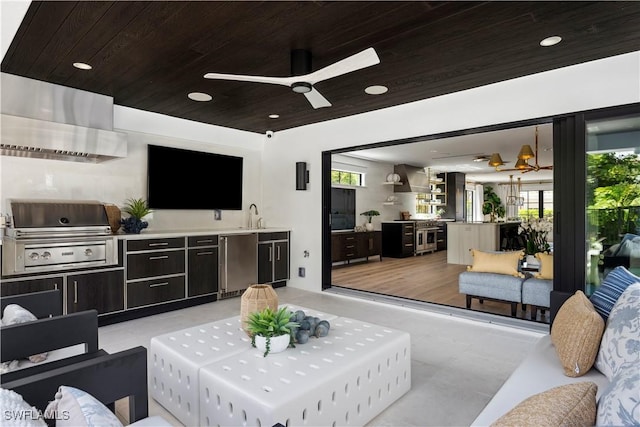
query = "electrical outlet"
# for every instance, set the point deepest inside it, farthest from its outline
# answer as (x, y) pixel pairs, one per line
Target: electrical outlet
(301, 271)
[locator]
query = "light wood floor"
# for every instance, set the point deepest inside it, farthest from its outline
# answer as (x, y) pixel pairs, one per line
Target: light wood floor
(426, 277)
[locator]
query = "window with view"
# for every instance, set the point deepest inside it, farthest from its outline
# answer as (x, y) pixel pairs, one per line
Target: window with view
(536, 204)
(612, 199)
(347, 178)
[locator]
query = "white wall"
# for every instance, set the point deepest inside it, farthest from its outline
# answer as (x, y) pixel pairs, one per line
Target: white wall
(114, 181)
(597, 84)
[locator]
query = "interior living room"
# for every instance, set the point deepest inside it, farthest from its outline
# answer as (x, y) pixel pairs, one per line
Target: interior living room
(171, 170)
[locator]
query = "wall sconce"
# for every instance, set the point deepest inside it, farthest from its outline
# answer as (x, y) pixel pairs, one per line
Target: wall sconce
(302, 176)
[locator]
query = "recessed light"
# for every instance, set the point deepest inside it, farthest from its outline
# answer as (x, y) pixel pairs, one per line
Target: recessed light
(274, 116)
(550, 41)
(376, 90)
(82, 66)
(199, 96)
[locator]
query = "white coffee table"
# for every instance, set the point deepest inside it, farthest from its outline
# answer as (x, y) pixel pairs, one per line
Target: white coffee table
(346, 378)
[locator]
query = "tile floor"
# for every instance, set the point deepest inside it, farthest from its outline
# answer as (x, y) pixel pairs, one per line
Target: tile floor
(457, 363)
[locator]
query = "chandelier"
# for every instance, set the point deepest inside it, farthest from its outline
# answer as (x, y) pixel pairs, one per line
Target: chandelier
(522, 165)
(513, 195)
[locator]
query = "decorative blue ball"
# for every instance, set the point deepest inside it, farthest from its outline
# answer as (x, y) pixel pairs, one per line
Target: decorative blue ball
(133, 225)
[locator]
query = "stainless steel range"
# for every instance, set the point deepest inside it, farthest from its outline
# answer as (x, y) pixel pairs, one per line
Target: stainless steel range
(54, 235)
(425, 236)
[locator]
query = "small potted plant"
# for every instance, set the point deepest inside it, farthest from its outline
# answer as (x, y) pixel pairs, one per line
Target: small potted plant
(370, 214)
(271, 330)
(136, 209)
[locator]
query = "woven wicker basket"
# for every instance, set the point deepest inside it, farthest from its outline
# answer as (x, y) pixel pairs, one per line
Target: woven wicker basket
(257, 298)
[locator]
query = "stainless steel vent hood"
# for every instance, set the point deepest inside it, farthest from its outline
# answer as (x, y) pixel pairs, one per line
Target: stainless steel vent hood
(44, 120)
(413, 179)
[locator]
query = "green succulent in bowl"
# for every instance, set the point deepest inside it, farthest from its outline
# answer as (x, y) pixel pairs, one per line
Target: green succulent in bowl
(269, 324)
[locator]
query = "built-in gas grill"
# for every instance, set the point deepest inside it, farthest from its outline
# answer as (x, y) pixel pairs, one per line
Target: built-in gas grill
(53, 235)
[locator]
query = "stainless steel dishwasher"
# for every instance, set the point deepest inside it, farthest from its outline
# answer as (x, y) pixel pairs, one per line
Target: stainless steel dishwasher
(238, 263)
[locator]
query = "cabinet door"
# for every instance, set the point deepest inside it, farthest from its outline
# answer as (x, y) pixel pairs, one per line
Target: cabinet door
(337, 247)
(102, 291)
(149, 292)
(374, 243)
(203, 271)
(281, 261)
(265, 262)
(153, 264)
(30, 285)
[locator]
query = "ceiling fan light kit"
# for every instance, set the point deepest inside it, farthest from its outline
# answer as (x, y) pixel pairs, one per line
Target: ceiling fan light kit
(522, 164)
(301, 87)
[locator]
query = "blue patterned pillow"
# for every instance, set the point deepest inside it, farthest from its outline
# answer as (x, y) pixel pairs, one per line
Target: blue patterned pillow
(620, 345)
(618, 405)
(610, 290)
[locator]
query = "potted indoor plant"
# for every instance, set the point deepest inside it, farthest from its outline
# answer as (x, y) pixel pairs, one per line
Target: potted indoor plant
(136, 209)
(370, 214)
(271, 330)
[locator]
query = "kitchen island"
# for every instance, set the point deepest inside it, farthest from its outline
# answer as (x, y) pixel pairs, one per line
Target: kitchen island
(483, 236)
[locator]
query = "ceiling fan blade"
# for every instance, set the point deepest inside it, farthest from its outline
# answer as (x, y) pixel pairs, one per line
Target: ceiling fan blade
(285, 81)
(316, 99)
(364, 59)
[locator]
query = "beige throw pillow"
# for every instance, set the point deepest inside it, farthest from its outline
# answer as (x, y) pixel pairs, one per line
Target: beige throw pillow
(565, 405)
(576, 333)
(496, 262)
(546, 266)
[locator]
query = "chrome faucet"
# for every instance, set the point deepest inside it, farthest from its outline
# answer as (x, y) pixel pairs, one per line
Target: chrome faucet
(252, 205)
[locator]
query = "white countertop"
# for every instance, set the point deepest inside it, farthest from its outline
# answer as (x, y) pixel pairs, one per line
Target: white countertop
(150, 234)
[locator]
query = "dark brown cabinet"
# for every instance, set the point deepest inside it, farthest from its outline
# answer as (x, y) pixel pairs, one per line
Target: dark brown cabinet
(350, 245)
(273, 257)
(398, 239)
(156, 270)
(148, 292)
(102, 291)
(157, 263)
(202, 274)
(16, 287)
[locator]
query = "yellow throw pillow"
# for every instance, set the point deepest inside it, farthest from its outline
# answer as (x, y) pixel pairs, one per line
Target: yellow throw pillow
(565, 405)
(576, 333)
(546, 266)
(496, 262)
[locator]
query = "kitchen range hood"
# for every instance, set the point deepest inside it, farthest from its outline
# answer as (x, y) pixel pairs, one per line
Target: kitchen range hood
(44, 120)
(413, 179)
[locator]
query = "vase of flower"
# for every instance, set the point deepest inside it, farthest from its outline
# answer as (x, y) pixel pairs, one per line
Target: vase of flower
(534, 233)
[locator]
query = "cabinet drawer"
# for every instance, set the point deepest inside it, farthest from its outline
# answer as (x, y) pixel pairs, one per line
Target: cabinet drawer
(152, 264)
(195, 241)
(151, 244)
(155, 291)
(279, 235)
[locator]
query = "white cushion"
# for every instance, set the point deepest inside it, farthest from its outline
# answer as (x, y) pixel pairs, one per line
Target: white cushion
(15, 412)
(620, 345)
(14, 314)
(538, 372)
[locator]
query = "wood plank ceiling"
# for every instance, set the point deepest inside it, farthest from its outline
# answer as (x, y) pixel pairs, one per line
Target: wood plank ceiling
(150, 55)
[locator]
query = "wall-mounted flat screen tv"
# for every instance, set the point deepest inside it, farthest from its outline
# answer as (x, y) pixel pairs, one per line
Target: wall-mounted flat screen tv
(186, 179)
(343, 208)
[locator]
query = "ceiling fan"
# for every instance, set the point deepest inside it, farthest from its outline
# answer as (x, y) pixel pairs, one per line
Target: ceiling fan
(302, 79)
